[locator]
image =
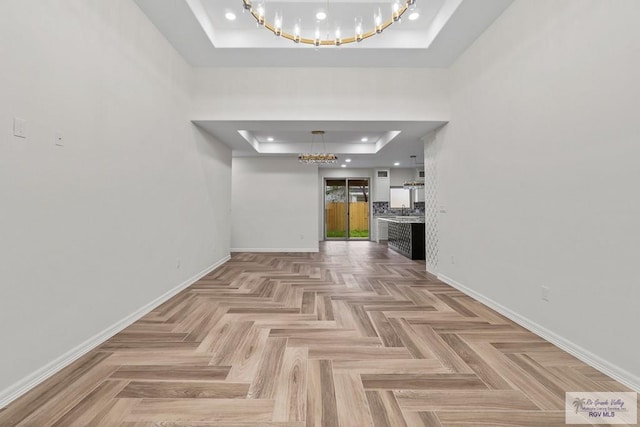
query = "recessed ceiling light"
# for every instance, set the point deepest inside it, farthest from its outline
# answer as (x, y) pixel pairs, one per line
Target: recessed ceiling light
(347, 160)
(365, 139)
(396, 164)
(414, 15)
(230, 16)
(321, 15)
(270, 139)
(343, 166)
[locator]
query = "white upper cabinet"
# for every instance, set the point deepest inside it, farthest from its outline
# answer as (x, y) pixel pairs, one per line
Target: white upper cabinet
(382, 185)
(420, 192)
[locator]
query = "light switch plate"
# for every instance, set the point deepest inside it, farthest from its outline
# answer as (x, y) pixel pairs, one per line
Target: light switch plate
(544, 291)
(19, 127)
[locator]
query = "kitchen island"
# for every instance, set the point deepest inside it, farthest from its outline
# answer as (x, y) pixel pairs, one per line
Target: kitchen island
(406, 236)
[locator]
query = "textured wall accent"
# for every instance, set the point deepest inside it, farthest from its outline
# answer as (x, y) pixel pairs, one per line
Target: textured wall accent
(431, 203)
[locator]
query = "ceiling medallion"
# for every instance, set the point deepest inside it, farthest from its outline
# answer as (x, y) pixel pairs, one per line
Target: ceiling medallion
(297, 34)
(312, 158)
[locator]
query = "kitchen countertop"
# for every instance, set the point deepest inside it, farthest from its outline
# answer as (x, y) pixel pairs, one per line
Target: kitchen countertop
(404, 219)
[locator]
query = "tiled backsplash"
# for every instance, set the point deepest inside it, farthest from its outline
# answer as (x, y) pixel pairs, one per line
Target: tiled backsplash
(382, 208)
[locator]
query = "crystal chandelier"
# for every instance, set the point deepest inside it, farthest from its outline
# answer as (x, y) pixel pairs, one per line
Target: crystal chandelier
(414, 184)
(317, 158)
(293, 29)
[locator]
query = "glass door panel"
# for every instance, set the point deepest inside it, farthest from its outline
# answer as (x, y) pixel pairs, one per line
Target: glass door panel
(358, 209)
(335, 209)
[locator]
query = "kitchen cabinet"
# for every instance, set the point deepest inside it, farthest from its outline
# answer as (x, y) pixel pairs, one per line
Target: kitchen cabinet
(382, 185)
(420, 191)
(381, 230)
(406, 236)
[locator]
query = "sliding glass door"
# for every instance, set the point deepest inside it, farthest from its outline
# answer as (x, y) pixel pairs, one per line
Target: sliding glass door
(346, 208)
(358, 208)
(335, 209)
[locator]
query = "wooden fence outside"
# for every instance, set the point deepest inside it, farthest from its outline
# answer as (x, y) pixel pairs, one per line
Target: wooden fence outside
(358, 216)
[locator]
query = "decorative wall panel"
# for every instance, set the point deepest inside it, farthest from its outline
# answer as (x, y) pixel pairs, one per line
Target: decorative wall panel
(431, 203)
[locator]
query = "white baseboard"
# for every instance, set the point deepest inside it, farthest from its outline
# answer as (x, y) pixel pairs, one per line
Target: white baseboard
(625, 377)
(16, 390)
(275, 249)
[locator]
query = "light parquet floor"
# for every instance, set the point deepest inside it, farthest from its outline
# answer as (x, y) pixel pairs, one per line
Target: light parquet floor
(355, 335)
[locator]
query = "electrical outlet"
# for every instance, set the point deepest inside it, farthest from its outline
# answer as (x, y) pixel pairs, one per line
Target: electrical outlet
(59, 139)
(544, 292)
(178, 265)
(453, 260)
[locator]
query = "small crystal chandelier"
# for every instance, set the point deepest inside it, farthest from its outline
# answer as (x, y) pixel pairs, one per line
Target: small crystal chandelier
(317, 158)
(296, 33)
(414, 184)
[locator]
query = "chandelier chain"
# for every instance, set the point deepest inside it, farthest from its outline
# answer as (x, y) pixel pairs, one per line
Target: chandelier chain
(317, 158)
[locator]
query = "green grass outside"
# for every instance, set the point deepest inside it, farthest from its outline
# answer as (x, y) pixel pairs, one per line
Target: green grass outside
(353, 233)
(359, 233)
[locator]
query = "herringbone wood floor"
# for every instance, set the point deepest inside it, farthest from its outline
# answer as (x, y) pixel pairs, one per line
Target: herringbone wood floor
(353, 336)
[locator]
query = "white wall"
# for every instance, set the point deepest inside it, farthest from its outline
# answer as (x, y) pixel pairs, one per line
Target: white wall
(322, 94)
(538, 171)
(274, 205)
(134, 204)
